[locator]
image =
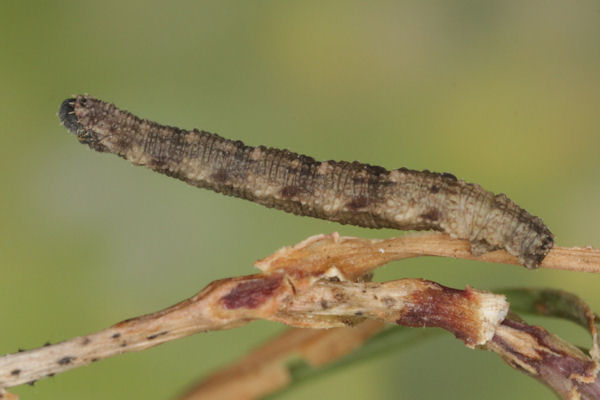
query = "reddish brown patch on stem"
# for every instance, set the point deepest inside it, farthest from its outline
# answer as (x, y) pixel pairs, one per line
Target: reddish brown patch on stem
(446, 308)
(252, 293)
(558, 360)
(562, 367)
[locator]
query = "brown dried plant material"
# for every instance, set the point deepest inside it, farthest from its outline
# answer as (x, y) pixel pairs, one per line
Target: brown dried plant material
(315, 297)
(557, 303)
(319, 283)
(358, 256)
(565, 369)
(349, 193)
(471, 315)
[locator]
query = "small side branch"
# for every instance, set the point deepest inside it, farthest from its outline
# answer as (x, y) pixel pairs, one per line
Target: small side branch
(358, 255)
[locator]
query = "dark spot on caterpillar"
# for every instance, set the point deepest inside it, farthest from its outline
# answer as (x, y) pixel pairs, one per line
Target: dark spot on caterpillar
(376, 170)
(94, 359)
(449, 176)
(65, 360)
(251, 293)
(31, 383)
(434, 189)
(290, 191)
(357, 203)
(433, 214)
(116, 335)
(86, 341)
(220, 176)
(159, 163)
(15, 372)
(150, 337)
(123, 142)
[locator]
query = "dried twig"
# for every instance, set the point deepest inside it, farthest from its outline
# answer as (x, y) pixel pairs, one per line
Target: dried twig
(471, 315)
(436, 244)
(318, 283)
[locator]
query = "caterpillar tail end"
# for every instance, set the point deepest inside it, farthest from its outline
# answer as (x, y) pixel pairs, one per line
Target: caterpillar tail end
(542, 246)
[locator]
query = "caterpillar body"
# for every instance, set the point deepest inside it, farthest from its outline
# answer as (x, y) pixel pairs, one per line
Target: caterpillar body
(345, 192)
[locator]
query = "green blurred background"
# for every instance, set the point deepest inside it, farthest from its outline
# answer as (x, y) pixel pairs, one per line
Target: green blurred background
(506, 94)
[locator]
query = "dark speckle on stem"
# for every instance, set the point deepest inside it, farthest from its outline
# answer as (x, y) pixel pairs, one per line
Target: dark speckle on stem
(154, 336)
(65, 360)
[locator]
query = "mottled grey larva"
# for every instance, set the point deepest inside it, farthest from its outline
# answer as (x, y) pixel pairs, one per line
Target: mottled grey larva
(345, 192)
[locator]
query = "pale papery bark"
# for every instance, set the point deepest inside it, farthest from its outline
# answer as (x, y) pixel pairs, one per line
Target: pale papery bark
(318, 283)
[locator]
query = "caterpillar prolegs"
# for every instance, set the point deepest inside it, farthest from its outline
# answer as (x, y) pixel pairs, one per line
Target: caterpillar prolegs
(345, 192)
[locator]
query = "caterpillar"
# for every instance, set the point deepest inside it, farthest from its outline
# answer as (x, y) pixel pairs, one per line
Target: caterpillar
(345, 192)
